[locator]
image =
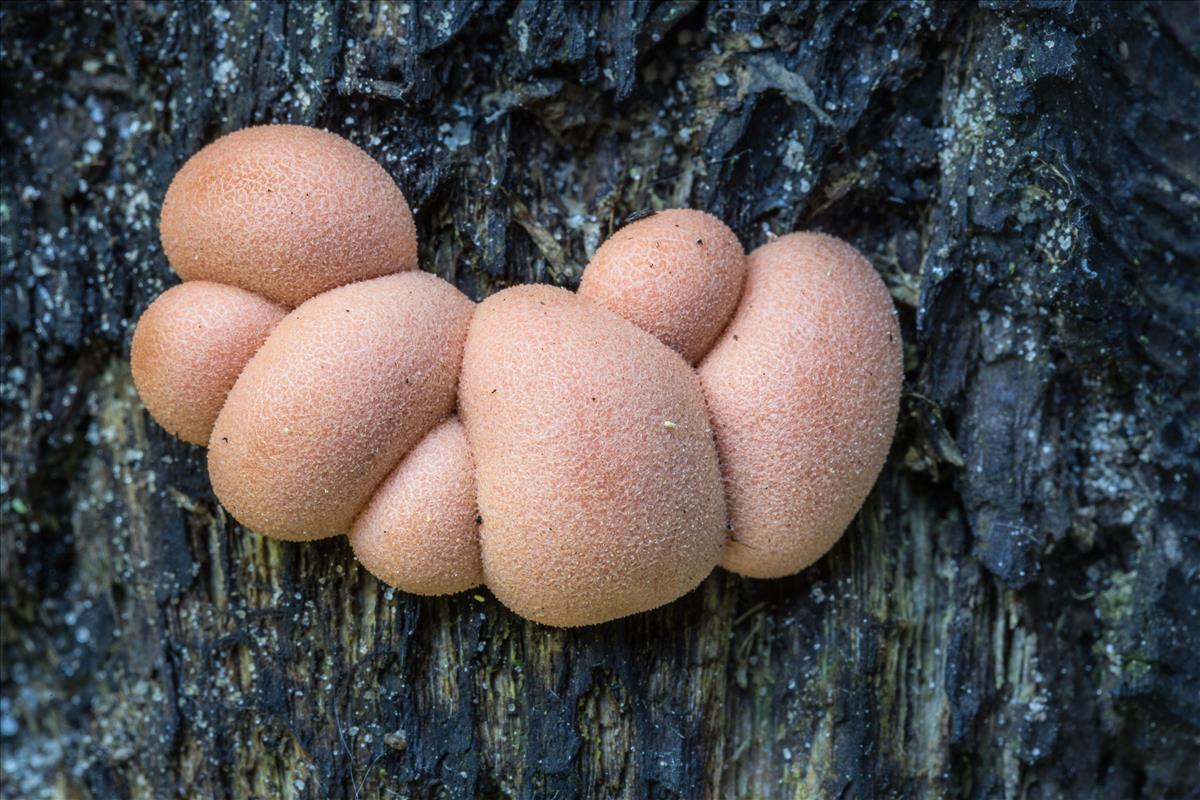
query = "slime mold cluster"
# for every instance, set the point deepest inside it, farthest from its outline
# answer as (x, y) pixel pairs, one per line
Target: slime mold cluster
(585, 455)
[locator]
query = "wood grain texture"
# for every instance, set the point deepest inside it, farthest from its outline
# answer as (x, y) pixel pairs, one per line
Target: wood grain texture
(1014, 614)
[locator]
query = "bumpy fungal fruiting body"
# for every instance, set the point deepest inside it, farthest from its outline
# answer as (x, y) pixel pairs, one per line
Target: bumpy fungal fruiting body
(598, 479)
(287, 212)
(342, 389)
(804, 389)
(677, 274)
(595, 473)
(419, 533)
(189, 347)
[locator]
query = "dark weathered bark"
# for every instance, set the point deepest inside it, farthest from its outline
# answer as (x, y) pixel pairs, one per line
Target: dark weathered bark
(1016, 613)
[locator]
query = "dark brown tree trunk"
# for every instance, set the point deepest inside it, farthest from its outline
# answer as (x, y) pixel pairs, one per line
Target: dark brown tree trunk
(1015, 613)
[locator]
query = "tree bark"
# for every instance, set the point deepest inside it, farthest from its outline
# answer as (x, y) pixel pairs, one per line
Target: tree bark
(1013, 614)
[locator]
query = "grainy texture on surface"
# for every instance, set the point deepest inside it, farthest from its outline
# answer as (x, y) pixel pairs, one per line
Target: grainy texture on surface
(803, 389)
(1013, 614)
(592, 507)
(345, 385)
(677, 274)
(287, 211)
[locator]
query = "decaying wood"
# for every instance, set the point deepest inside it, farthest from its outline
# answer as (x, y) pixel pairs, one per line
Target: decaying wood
(1014, 614)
